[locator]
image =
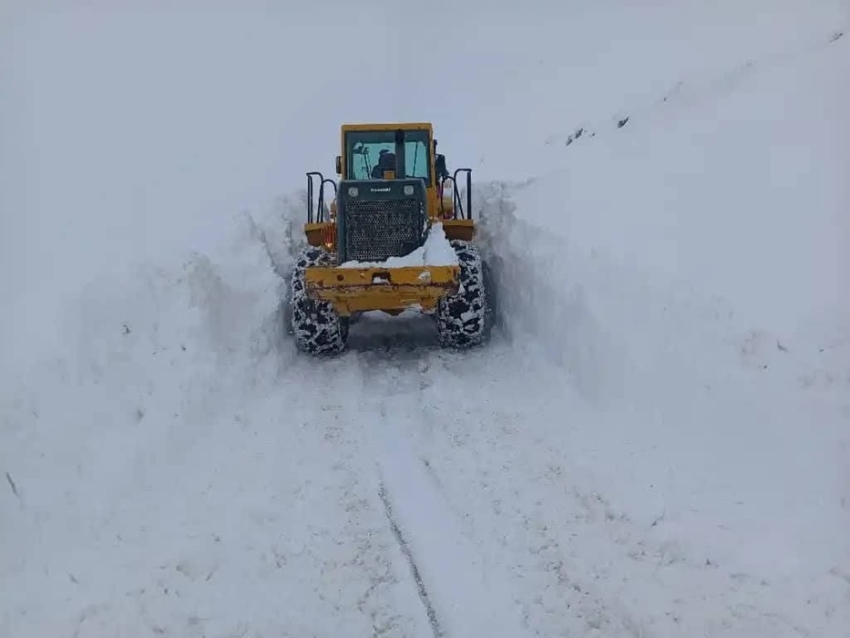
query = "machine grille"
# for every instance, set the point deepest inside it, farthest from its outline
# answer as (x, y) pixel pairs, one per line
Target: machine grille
(378, 229)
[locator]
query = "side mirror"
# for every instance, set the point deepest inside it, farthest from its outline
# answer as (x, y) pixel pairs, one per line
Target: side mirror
(338, 165)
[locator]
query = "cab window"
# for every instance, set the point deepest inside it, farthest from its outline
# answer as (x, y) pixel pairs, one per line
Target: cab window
(365, 148)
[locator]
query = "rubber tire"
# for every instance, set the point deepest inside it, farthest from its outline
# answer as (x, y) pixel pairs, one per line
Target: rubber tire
(464, 319)
(317, 327)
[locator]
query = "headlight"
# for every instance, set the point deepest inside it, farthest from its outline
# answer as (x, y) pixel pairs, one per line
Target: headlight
(408, 189)
(353, 191)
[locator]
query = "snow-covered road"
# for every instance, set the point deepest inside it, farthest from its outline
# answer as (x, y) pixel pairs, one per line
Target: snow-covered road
(216, 483)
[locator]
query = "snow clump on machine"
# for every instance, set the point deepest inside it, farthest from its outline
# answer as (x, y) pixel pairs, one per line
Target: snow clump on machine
(435, 251)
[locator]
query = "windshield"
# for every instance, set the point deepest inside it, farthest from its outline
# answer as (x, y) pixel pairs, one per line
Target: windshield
(364, 151)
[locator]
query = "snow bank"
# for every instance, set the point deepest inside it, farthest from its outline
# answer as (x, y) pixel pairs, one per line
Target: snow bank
(435, 251)
(161, 459)
(105, 429)
(687, 274)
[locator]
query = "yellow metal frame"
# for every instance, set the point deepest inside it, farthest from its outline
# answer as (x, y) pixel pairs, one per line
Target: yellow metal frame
(388, 289)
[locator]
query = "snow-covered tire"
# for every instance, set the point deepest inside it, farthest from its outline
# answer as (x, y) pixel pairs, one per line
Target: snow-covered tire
(318, 328)
(463, 319)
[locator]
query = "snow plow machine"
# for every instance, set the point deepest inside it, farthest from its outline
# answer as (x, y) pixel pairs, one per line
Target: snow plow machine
(397, 235)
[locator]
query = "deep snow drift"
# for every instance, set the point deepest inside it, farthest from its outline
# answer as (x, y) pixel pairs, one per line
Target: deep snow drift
(654, 444)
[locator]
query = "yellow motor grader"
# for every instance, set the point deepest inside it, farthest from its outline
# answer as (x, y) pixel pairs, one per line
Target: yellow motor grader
(397, 235)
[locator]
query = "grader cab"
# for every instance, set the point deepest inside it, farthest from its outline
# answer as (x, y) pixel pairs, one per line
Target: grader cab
(397, 235)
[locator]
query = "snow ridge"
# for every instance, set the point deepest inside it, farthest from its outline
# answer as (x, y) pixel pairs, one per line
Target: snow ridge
(435, 251)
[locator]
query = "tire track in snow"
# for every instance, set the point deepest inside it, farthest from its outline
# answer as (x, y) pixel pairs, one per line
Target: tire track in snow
(338, 551)
(491, 462)
(405, 549)
(459, 595)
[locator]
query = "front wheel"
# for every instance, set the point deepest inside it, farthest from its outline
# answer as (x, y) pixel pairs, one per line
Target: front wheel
(317, 327)
(464, 318)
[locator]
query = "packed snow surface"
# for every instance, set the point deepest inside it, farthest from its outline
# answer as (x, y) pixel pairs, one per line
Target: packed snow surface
(436, 250)
(655, 443)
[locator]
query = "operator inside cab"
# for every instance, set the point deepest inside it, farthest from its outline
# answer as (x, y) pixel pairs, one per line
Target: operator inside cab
(386, 162)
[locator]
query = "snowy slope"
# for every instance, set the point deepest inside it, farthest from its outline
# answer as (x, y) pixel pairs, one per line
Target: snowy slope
(655, 443)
